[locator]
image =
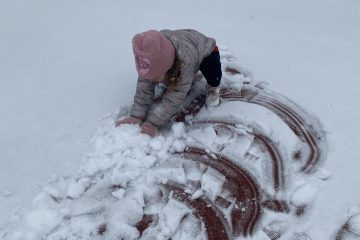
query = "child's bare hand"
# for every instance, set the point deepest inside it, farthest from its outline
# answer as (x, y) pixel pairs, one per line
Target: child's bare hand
(129, 120)
(149, 129)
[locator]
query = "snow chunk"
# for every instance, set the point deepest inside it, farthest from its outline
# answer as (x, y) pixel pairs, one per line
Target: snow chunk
(178, 146)
(79, 225)
(205, 136)
(323, 174)
(119, 230)
(57, 191)
(119, 194)
(212, 182)
(303, 195)
(127, 211)
(240, 146)
(157, 143)
(96, 164)
(137, 195)
(43, 220)
(43, 201)
(123, 177)
(148, 161)
(178, 130)
(171, 216)
(7, 193)
(75, 189)
(197, 194)
(354, 224)
(193, 173)
(163, 175)
(83, 207)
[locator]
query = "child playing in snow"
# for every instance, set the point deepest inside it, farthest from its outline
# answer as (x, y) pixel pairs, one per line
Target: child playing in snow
(171, 58)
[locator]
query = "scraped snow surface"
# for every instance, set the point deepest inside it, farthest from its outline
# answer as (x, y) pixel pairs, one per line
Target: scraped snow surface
(66, 67)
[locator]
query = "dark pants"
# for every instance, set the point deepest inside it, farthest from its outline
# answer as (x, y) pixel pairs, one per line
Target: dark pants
(211, 68)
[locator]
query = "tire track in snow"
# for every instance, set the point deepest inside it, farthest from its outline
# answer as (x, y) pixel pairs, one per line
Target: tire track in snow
(261, 139)
(292, 117)
(205, 210)
(247, 210)
(289, 115)
(350, 229)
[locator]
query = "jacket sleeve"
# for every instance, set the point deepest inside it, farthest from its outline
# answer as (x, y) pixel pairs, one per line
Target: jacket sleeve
(143, 98)
(172, 100)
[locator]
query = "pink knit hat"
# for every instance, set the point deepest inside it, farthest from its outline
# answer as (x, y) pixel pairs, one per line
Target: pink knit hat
(154, 54)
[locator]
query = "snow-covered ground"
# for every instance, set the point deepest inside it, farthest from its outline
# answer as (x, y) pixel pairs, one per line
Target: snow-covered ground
(65, 65)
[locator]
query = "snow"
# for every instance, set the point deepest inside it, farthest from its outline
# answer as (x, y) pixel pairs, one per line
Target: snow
(203, 136)
(7, 193)
(193, 173)
(172, 214)
(119, 193)
(130, 211)
(178, 130)
(178, 145)
(197, 194)
(64, 66)
(303, 195)
(323, 174)
(163, 175)
(43, 220)
(354, 224)
(75, 189)
(122, 178)
(157, 143)
(212, 182)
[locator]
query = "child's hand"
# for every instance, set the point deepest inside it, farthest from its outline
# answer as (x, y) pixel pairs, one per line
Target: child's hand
(149, 129)
(129, 120)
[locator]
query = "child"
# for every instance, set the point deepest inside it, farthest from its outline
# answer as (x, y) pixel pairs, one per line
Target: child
(171, 58)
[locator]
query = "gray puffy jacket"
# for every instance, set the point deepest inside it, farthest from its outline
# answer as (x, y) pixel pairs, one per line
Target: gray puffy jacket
(191, 48)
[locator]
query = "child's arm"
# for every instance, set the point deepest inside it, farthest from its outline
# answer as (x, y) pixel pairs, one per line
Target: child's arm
(143, 98)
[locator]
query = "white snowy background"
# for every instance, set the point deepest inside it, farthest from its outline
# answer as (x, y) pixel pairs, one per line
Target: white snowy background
(65, 65)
